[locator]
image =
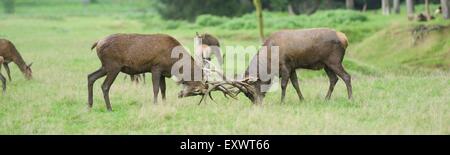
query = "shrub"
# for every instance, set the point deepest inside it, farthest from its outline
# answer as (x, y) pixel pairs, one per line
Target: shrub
(210, 20)
(175, 24)
(240, 23)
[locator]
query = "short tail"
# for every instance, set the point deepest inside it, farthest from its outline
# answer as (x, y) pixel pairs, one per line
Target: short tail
(343, 39)
(94, 45)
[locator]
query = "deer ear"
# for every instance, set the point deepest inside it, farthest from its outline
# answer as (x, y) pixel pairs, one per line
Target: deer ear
(29, 65)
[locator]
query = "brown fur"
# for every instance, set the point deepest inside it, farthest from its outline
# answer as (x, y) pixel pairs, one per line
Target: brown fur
(9, 53)
(136, 54)
(210, 46)
(308, 49)
(209, 40)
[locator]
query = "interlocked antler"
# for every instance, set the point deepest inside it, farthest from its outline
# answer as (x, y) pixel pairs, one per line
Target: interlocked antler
(241, 85)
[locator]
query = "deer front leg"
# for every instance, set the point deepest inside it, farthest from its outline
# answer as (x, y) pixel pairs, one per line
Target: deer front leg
(162, 87)
(7, 70)
(284, 81)
(3, 79)
(156, 80)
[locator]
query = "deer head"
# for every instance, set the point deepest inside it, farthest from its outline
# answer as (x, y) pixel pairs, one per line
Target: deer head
(28, 72)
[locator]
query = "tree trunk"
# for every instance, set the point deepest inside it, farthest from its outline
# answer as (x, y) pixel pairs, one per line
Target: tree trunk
(314, 7)
(397, 6)
(291, 9)
(329, 4)
(350, 4)
(259, 15)
(385, 7)
(445, 5)
(410, 8)
(427, 9)
(364, 6)
(9, 6)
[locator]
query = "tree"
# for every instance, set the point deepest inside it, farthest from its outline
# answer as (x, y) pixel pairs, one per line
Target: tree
(427, 9)
(258, 7)
(410, 8)
(385, 7)
(364, 6)
(397, 6)
(9, 6)
(350, 4)
(445, 5)
(190, 9)
(293, 7)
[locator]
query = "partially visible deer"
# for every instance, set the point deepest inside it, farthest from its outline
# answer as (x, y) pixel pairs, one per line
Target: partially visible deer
(8, 54)
(136, 78)
(208, 46)
(314, 49)
(137, 53)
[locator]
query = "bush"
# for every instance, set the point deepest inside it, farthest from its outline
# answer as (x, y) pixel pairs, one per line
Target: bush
(175, 24)
(190, 9)
(210, 20)
(338, 17)
(274, 20)
(240, 23)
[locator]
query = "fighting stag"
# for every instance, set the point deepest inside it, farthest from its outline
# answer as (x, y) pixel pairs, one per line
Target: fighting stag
(135, 54)
(313, 49)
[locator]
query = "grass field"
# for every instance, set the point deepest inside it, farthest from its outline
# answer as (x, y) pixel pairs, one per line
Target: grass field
(390, 96)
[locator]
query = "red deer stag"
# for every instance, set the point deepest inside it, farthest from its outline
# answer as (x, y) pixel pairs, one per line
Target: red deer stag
(137, 53)
(314, 49)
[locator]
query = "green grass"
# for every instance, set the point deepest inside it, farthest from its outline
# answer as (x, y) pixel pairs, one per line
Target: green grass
(399, 47)
(405, 98)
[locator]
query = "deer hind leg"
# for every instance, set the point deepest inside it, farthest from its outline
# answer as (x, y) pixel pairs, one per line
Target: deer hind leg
(110, 77)
(294, 81)
(162, 87)
(333, 80)
(91, 80)
(340, 71)
(7, 70)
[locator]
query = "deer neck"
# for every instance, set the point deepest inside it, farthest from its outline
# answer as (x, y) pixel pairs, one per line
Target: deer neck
(18, 60)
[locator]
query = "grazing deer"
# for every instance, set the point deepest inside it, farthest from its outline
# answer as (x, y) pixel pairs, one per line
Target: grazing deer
(9, 53)
(314, 49)
(137, 53)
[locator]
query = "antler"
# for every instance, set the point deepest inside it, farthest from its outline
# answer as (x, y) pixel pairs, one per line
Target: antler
(241, 85)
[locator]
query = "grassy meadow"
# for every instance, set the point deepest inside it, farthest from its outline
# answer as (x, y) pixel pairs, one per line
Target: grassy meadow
(399, 88)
